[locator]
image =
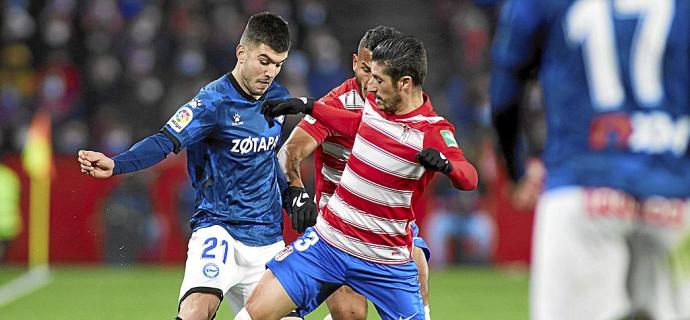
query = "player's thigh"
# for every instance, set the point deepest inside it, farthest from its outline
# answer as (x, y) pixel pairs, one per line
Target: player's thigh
(659, 279)
(393, 289)
(269, 300)
(309, 270)
(421, 260)
(210, 267)
(580, 258)
(347, 304)
(251, 263)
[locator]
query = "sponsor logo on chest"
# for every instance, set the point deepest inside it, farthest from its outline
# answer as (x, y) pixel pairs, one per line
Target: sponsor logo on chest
(253, 144)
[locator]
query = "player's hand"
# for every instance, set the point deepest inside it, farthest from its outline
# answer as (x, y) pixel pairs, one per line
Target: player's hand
(527, 190)
(432, 159)
(95, 164)
(302, 209)
(278, 107)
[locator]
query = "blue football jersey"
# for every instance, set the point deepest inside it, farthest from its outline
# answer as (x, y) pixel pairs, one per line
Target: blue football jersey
(231, 160)
(615, 81)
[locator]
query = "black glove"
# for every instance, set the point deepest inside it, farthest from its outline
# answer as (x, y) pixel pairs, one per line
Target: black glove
(300, 207)
(278, 107)
(432, 159)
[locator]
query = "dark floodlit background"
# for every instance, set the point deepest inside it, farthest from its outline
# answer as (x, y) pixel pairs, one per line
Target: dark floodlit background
(108, 73)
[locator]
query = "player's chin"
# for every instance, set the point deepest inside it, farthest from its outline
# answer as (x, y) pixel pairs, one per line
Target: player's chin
(260, 88)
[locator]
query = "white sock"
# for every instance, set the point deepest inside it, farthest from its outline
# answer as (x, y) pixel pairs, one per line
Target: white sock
(243, 315)
(328, 317)
(427, 312)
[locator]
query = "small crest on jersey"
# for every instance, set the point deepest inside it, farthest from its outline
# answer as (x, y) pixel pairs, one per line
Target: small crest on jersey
(211, 270)
(351, 100)
(237, 119)
(309, 119)
(283, 253)
(195, 103)
(449, 138)
(181, 119)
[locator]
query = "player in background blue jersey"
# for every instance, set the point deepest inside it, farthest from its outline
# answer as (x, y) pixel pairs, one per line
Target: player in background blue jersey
(616, 207)
(237, 219)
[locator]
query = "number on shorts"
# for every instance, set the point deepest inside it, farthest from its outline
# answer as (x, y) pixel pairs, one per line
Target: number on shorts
(306, 242)
(212, 243)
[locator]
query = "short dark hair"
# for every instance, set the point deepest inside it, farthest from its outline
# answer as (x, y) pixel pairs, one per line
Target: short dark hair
(269, 29)
(402, 56)
(376, 35)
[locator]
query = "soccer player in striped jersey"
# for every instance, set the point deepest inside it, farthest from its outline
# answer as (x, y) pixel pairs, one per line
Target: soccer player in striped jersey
(363, 238)
(331, 152)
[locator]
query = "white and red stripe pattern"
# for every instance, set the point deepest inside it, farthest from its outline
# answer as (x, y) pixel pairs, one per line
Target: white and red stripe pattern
(332, 154)
(370, 213)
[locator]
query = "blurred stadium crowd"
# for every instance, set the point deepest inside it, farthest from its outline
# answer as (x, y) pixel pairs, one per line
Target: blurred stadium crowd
(111, 72)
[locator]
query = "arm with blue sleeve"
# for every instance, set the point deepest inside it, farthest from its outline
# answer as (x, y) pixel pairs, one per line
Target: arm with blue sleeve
(144, 154)
(515, 54)
(191, 123)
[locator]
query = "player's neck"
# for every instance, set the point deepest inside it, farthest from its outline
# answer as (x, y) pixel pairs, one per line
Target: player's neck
(410, 102)
(240, 80)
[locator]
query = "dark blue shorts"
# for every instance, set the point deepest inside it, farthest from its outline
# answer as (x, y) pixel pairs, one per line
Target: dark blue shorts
(310, 270)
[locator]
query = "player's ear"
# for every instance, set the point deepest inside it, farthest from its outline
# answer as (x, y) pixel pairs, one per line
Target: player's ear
(355, 60)
(241, 53)
(405, 83)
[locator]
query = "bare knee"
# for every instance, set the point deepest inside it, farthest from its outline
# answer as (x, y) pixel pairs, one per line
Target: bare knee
(346, 304)
(199, 306)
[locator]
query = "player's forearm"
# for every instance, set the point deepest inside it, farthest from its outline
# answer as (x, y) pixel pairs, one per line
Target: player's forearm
(144, 154)
(290, 164)
(506, 124)
(463, 176)
(507, 89)
(298, 147)
(340, 121)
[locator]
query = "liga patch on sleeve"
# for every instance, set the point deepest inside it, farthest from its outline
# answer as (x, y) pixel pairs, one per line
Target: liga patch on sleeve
(449, 138)
(181, 119)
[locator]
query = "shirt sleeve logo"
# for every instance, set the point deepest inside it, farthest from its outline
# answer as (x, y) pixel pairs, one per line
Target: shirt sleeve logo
(309, 119)
(449, 138)
(195, 103)
(181, 119)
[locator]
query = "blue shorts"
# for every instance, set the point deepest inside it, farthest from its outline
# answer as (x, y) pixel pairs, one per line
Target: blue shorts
(310, 270)
(418, 242)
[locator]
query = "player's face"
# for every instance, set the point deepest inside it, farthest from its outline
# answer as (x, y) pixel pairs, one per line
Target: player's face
(260, 64)
(386, 91)
(361, 65)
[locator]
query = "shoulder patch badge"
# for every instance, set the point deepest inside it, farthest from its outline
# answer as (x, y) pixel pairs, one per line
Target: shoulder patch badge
(181, 119)
(449, 138)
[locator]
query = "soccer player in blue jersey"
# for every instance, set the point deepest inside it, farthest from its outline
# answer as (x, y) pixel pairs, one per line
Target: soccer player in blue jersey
(616, 206)
(237, 219)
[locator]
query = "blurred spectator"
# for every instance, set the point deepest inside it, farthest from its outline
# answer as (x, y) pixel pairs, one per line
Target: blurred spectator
(326, 71)
(458, 231)
(10, 218)
(16, 84)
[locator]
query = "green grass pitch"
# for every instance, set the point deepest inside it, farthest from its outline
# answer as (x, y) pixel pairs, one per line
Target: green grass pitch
(151, 293)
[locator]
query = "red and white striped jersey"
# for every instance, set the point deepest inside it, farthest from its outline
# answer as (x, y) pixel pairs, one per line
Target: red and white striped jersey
(370, 213)
(334, 150)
